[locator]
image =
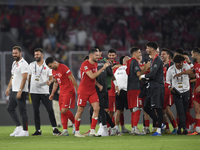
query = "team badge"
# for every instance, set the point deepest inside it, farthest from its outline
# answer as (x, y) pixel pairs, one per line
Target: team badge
(136, 68)
(44, 68)
(155, 65)
(85, 67)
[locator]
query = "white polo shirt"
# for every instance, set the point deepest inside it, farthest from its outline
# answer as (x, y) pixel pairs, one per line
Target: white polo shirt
(39, 77)
(121, 77)
(17, 70)
(181, 83)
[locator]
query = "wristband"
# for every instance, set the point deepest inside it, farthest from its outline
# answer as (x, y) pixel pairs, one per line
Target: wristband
(142, 76)
(169, 86)
(115, 82)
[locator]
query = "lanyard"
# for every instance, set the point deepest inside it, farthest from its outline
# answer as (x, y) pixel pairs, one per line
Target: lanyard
(14, 66)
(40, 71)
(181, 75)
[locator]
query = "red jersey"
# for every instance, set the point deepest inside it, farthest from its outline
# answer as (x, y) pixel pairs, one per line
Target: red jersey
(61, 75)
(87, 85)
(197, 73)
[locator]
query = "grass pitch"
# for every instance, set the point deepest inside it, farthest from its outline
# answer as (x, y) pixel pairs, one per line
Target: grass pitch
(49, 142)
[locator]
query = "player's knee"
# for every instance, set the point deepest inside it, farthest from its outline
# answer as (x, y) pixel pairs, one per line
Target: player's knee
(96, 108)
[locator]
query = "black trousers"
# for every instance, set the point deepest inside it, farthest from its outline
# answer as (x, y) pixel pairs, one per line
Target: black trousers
(36, 98)
(181, 107)
(21, 103)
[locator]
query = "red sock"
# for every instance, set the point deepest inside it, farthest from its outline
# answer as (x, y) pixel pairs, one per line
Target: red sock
(136, 118)
(113, 120)
(122, 119)
(132, 116)
(64, 119)
(146, 123)
(177, 120)
(77, 124)
(189, 118)
(70, 116)
(94, 123)
(108, 125)
(167, 125)
(197, 122)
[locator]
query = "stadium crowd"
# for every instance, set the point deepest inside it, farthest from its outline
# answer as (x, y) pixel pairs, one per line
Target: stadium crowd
(60, 29)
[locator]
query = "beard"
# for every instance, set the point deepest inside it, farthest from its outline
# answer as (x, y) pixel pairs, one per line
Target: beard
(38, 59)
(16, 58)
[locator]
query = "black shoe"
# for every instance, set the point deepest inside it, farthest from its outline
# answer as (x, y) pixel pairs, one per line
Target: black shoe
(178, 132)
(56, 132)
(185, 132)
(37, 133)
(59, 126)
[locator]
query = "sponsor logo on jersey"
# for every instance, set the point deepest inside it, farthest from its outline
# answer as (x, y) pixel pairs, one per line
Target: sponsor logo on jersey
(85, 67)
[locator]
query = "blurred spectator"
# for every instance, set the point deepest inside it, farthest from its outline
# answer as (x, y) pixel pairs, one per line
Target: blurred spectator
(81, 38)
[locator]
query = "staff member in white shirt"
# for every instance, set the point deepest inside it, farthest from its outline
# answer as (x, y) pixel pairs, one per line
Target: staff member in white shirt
(121, 98)
(19, 85)
(40, 77)
(182, 84)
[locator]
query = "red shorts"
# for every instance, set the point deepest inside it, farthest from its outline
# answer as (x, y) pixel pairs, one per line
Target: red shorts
(166, 98)
(82, 99)
(133, 99)
(67, 100)
(196, 98)
(112, 104)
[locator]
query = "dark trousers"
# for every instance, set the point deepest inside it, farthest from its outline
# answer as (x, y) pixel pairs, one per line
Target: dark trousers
(21, 103)
(36, 98)
(181, 107)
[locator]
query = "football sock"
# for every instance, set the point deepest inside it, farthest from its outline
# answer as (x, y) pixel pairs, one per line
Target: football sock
(70, 116)
(122, 119)
(64, 119)
(94, 122)
(146, 123)
(136, 117)
(77, 124)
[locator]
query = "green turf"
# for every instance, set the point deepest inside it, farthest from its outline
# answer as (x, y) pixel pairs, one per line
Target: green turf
(48, 142)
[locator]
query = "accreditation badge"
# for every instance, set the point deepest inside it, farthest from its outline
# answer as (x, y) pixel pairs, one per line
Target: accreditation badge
(180, 85)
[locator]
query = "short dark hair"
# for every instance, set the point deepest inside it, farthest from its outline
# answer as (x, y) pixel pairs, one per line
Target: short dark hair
(86, 57)
(196, 50)
(153, 45)
(165, 50)
(92, 51)
(49, 60)
(39, 49)
(112, 50)
(134, 49)
(18, 47)
(185, 53)
(178, 58)
(179, 51)
(121, 60)
(171, 54)
(96, 47)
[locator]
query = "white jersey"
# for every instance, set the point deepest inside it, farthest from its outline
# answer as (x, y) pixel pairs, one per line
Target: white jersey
(39, 77)
(181, 83)
(17, 70)
(121, 77)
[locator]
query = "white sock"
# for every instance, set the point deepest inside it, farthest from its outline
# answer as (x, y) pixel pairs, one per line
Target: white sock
(117, 127)
(92, 130)
(53, 128)
(159, 130)
(65, 130)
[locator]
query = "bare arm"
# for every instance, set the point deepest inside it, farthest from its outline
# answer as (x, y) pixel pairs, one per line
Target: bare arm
(71, 77)
(98, 85)
(94, 75)
(55, 86)
(8, 87)
(189, 72)
(24, 78)
(50, 80)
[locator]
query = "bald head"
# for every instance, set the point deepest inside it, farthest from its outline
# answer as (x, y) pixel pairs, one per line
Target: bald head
(126, 58)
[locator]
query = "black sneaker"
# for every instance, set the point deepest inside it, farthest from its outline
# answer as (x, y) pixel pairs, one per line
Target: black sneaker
(56, 132)
(178, 132)
(37, 133)
(185, 132)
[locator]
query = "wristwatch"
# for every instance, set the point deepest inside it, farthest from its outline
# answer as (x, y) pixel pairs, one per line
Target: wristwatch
(20, 89)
